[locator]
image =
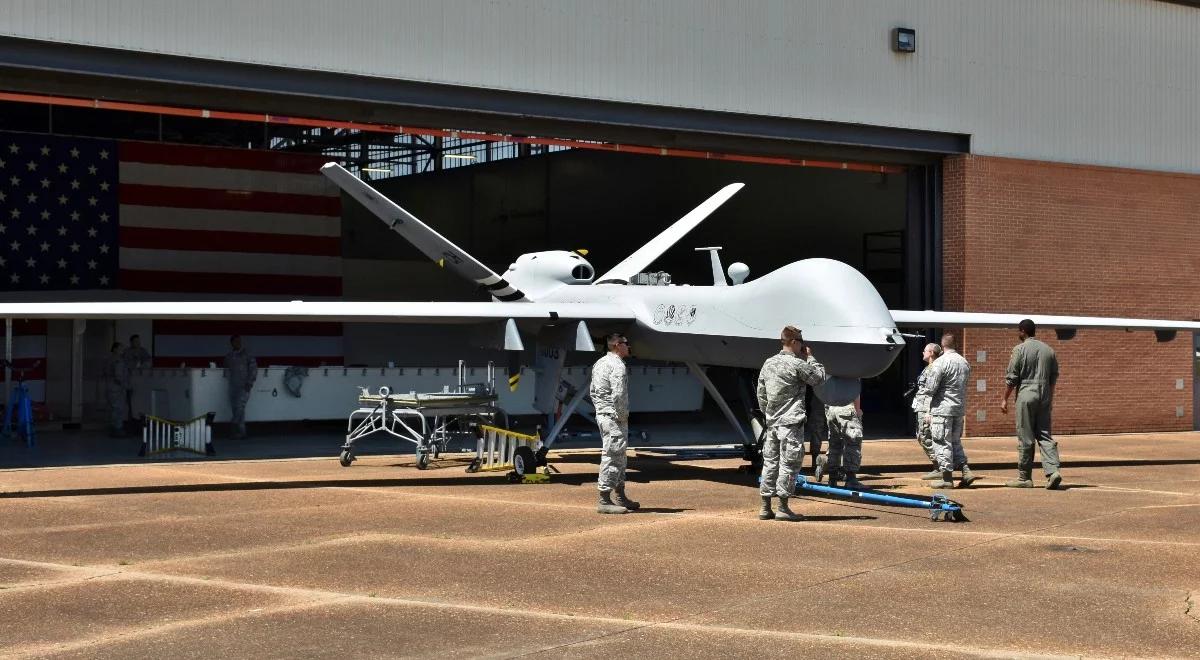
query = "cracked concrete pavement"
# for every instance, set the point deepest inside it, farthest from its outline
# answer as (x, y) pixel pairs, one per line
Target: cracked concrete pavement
(288, 558)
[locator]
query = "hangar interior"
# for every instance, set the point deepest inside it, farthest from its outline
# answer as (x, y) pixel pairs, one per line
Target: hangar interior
(499, 200)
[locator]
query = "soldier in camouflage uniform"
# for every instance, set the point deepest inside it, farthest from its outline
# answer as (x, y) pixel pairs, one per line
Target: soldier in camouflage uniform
(781, 386)
(241, 370)
(115, 376)
(946, 387)
(920, 404)
(609, 391)
(845, 443)
(1033, 371)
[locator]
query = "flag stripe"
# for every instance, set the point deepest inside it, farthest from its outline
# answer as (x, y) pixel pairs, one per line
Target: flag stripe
(242, 159)
(230, 241)
(176, 281)
(232, 200)
(281, 360)
(250, 221)
(261, 346)
(214, 178)
(230, 264)
(227, 328)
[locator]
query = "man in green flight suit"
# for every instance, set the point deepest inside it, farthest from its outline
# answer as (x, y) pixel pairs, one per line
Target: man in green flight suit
(1032, 372)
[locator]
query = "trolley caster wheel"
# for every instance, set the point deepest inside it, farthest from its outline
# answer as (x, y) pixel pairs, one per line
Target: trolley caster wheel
(541, 456)
(513, 477)
(474, 466)
(422, 461)
(935, 515)
(524, 462)
(346, 458)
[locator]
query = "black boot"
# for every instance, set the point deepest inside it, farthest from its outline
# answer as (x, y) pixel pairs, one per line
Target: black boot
(853, 483)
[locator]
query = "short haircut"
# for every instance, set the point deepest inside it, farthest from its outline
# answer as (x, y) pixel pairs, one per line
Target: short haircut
(613, 339)
(132, 337)
(936, 349)
(1028, 327)
(115, 346)
(948, 341)
(789, 334)
(232, 337)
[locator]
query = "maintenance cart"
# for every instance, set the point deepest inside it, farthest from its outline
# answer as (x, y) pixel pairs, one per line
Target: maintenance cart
(428, 420)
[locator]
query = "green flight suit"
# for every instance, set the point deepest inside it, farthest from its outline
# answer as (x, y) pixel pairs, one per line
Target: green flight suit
(1033, 369)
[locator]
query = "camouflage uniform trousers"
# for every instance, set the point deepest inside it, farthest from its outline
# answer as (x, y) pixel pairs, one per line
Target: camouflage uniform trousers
(815, 431)
(782, 453)
(845, 438)
(238, 395)
(925, 436)
(615, 440)
(946, 433)
(114, 395)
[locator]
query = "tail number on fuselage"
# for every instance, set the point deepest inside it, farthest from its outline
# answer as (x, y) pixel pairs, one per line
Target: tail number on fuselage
(677, 315)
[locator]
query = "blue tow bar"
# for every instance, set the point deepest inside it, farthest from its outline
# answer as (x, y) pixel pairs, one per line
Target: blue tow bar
(940, 507)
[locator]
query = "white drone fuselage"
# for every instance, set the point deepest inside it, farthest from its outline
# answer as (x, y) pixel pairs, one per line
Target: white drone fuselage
(839, 312)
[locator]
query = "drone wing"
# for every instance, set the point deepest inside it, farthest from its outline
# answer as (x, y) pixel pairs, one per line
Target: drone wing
(644, 256)
(435, 246)
(930, 319)
(339, 311)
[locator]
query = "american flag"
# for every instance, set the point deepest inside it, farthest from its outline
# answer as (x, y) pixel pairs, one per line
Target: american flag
(80, 214)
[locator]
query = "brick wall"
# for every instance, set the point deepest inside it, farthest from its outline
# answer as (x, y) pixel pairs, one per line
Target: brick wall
(1036, 237)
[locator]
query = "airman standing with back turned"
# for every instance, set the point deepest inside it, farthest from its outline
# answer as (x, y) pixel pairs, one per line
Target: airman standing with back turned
(781, 386)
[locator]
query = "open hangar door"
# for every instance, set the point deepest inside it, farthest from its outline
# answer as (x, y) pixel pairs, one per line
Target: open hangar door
(610, 204)
(547, 176)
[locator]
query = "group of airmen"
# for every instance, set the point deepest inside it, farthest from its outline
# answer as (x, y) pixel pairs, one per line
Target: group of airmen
(792, 414)
(241, 371)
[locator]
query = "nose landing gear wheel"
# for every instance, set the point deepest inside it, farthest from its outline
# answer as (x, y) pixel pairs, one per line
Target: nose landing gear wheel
(422, 461)
(346, 458)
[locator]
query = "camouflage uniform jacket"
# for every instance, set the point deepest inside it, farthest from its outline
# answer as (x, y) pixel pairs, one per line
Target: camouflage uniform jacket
(243, 369)
(921, 401)
(610, 387)
(115, 371)
(946, 385)
(781, 386)
(136, 357)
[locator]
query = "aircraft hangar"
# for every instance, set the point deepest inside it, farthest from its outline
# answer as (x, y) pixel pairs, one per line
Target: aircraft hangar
(963, 156)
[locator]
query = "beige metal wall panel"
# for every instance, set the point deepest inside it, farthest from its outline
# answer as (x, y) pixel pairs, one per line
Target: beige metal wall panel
(1112, 82)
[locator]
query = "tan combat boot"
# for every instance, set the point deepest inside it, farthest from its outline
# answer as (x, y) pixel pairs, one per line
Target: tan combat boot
(765, 513)
(784, 513)
(945, 480)
(606, 504)
(968, 477)
(618, 498)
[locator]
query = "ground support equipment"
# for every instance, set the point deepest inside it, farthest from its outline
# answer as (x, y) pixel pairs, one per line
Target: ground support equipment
(940, 507)
(501, 449)
(161, 436)
(428, 420)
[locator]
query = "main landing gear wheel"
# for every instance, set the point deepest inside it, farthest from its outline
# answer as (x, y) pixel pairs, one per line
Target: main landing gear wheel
(346, 458)
(474, 466)
(524, 461)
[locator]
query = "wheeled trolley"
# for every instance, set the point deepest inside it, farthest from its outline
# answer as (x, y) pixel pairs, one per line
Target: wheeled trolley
(428, 420)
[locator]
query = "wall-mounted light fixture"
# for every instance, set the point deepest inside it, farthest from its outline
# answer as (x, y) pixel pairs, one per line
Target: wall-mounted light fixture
(904, 40)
